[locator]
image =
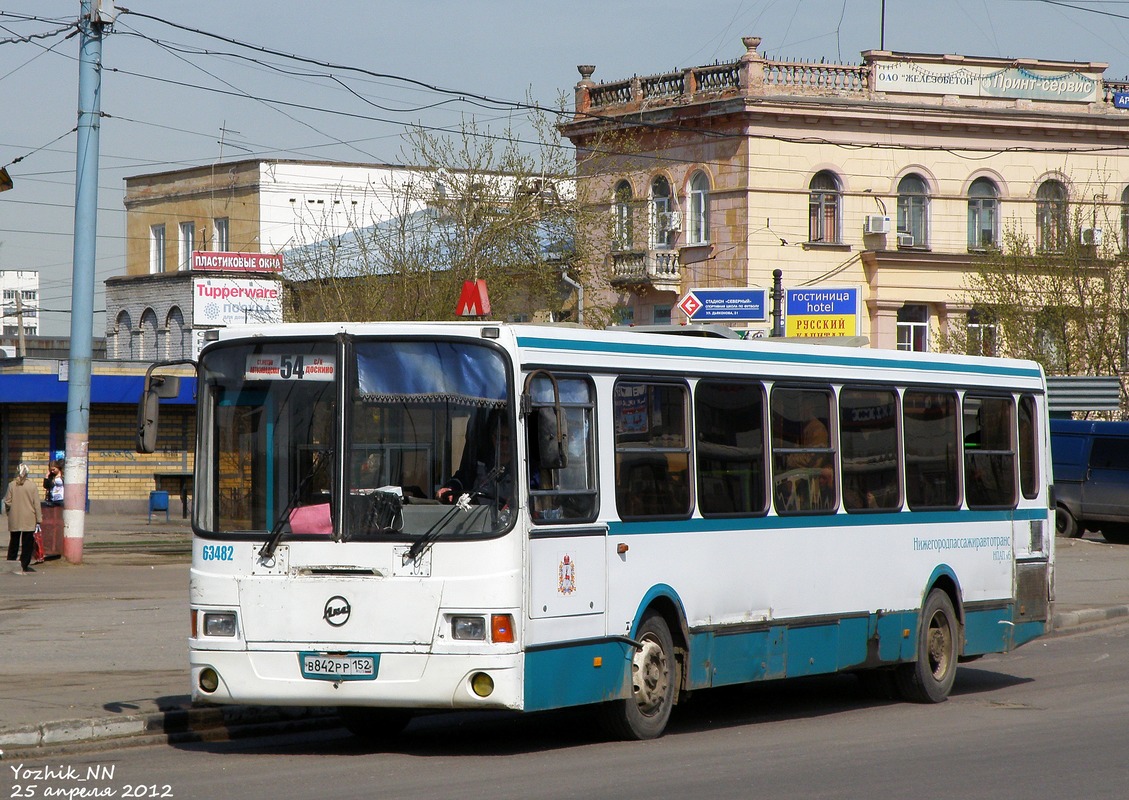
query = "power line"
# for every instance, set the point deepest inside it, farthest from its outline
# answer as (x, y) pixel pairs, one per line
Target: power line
(31, 36)
(331, 65)
(42, 147)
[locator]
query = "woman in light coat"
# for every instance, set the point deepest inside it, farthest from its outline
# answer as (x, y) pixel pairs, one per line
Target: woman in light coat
(21, 502)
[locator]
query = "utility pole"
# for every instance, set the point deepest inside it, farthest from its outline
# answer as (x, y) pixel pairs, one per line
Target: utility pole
(93, 16)
(20, 321)
(777, 302)
(882, 29)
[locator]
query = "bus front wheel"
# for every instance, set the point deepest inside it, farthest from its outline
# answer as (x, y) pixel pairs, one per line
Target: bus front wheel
(930, 678)
(654, 679)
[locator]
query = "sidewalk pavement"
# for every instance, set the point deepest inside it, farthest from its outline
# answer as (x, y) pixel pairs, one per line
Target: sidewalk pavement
(95, 652)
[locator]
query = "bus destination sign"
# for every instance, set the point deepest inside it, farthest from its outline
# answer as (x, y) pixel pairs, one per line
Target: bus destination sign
(290, 367)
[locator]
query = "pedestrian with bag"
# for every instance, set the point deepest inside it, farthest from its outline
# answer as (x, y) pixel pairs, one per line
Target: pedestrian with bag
(25, 515)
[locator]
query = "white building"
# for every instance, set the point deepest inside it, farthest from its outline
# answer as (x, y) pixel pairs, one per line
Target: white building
(19, 302)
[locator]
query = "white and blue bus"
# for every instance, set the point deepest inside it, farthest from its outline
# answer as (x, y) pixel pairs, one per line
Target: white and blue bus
(392, 518)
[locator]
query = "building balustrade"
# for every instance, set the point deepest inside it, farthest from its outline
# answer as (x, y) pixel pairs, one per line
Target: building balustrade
(751, 76)
(657, 269)
(816, 77)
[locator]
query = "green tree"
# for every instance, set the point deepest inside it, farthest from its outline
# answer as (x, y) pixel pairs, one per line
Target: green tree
(1061, 300)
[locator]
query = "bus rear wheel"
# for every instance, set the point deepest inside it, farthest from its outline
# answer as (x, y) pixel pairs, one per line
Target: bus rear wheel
(374, 725)
(654, 679)
(930, 678)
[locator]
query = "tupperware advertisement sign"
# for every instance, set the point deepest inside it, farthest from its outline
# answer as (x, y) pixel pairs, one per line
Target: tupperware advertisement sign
(233, 301)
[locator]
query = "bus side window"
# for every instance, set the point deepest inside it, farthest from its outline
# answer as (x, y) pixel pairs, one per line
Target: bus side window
(567, 494)
(803, 458)
(652, 452)
(868, 442)
(1028, 448)
(729, 425)
(989, 452)
(931, 442)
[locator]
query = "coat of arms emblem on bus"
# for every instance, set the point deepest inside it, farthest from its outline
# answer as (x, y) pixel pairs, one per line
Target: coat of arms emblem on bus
(566, 576)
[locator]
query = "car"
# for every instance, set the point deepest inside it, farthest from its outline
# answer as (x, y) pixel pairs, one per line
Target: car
(1090, 460)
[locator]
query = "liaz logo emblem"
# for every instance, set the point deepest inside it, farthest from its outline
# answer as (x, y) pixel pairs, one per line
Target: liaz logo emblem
(337, 610)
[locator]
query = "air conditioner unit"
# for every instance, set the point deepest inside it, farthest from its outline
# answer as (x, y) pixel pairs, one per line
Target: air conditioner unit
(1092, 236)
(905, 240)
(876, 223)
(671, 221)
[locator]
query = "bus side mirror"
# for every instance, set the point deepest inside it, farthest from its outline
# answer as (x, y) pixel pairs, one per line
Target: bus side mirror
(156, 388)
(551, 428)
(147, 410)
(552, 439)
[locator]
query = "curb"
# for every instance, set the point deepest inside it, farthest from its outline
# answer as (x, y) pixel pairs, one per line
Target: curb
(1088, 617)
(198, 724)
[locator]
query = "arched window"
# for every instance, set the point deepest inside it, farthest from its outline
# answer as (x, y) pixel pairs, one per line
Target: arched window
(823, 208)
(175, 345)
(148, 335)
(1125, 220)
(983, 215)
(123, 337)
(622, 234)
(913, 212)
(698, 227)
(663, 227)
(1050, 217)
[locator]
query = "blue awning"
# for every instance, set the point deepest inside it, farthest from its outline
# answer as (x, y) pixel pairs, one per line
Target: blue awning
(103, 389)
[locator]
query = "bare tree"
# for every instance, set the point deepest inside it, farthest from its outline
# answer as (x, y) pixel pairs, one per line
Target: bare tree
(473, 206)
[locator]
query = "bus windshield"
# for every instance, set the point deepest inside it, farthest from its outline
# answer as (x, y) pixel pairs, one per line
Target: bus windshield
(422, 446)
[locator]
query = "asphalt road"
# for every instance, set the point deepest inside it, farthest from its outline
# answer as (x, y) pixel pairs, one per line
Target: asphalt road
(1046, 721)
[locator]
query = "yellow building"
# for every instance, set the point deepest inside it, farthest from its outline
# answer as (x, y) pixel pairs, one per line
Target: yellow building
(33, 410)
(890, 178)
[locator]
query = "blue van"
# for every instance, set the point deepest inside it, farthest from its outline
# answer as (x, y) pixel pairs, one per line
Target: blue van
(1091, 478)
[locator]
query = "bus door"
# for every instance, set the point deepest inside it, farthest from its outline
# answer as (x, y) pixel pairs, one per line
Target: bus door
(566, 565)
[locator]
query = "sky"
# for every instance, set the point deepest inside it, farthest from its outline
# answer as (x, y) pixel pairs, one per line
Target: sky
(190, 84)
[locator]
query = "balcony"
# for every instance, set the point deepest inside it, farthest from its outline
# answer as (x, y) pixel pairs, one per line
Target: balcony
(647, 269)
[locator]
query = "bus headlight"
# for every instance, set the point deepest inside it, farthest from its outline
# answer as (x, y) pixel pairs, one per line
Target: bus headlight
(219, 623)
(468, 628)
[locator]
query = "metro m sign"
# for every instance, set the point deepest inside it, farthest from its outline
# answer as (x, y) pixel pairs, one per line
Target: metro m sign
(474, 300)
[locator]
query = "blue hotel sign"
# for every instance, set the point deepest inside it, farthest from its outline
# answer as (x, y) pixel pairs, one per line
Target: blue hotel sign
(1121, 99)
(821, 312)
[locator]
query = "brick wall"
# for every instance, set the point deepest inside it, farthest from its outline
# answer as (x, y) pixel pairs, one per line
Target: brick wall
(119, 477)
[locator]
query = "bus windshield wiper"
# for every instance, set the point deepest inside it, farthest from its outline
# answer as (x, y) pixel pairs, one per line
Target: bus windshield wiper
(268, 548)
(420, 545)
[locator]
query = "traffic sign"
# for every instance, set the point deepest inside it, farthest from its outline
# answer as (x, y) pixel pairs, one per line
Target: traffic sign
(701, 305)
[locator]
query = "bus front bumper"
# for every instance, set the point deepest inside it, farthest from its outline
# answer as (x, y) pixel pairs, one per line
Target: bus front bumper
(402, 680)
